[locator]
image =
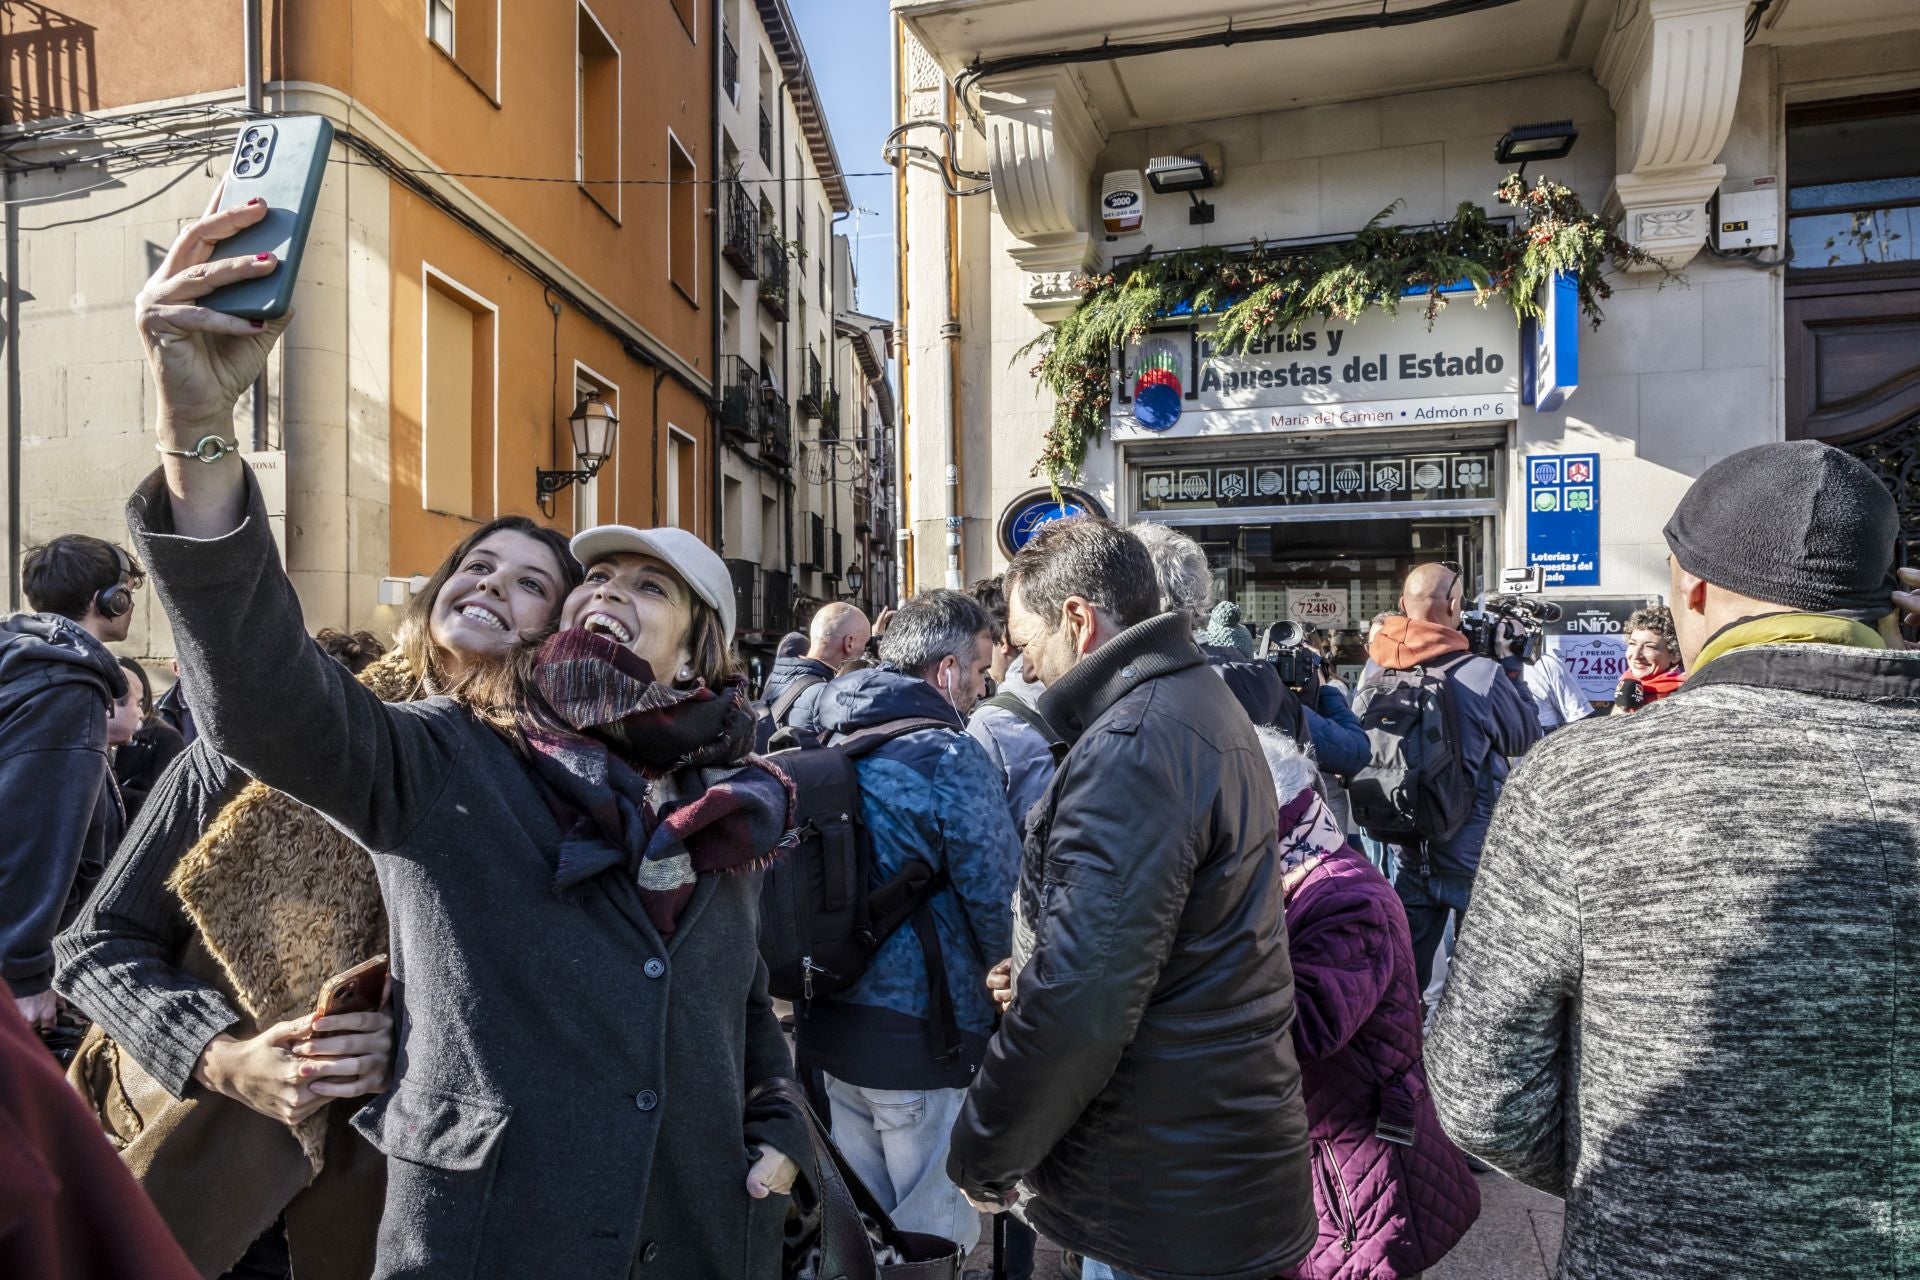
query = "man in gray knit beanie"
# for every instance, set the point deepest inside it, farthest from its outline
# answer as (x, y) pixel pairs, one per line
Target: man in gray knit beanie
(1683, 998)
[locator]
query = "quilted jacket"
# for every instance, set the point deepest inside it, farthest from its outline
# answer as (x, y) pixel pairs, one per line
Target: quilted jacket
(1386, 1210)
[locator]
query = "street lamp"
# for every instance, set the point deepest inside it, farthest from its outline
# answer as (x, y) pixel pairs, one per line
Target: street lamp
(855, 579)
(592, 424)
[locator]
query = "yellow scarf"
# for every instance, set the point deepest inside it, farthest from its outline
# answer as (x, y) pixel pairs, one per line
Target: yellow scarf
(1790, 628)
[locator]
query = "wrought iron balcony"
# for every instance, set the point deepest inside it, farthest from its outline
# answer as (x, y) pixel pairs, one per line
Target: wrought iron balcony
(729, 65)
(773, 275)
(776, 602)
(742, 245)
(766, 138)
(747, 596)
(739, 399)
(776, 430)
(808, 402)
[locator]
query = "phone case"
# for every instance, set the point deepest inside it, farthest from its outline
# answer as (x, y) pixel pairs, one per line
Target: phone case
(282, 161)
(358, 990)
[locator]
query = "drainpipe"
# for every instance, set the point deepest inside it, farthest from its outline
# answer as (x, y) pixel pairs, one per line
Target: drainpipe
(13, 396)
(950, 438)
(250, 54)
(902, 512)
(713, 293)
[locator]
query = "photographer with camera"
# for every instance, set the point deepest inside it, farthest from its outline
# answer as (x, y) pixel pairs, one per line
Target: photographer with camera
(1653, 660)
(1340, 745)
(1443, 722)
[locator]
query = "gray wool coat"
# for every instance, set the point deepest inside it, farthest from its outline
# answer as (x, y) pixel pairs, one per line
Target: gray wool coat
(1684, 997)
(569, 1095)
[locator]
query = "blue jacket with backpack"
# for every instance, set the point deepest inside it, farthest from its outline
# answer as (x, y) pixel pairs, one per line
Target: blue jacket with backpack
(932, 794)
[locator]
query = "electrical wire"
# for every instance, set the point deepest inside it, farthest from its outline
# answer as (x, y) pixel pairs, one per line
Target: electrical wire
(608, 182)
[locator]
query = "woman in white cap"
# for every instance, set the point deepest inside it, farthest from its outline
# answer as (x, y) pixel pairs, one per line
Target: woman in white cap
(567, 843)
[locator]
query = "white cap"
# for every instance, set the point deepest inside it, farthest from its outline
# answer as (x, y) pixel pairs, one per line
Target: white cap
(704, 572)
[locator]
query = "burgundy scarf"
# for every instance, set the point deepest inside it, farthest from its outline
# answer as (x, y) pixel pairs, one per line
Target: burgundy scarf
(648, 777)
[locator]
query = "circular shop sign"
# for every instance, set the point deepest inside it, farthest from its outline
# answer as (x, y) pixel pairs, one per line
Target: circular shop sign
(1027, 514)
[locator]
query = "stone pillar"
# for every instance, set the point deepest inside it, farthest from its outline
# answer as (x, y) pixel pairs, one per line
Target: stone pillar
(1042, 140)
(1671, 69)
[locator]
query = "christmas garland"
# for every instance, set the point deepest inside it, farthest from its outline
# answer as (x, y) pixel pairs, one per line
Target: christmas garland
(1254, 291)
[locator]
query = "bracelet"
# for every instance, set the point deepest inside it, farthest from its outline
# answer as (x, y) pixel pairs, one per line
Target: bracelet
(209, 449)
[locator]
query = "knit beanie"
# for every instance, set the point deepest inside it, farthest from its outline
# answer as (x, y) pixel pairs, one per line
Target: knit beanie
(1223, 630)
(1799, 523)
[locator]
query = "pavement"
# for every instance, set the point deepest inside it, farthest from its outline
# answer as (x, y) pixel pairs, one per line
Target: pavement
(1516, 1238)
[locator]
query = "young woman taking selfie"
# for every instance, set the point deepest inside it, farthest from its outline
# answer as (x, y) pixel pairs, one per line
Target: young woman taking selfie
(202, 953)
(567, 846)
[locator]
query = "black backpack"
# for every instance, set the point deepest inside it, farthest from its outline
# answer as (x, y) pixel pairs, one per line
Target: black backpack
(1416, 787)
(821, 917)
(771, 717)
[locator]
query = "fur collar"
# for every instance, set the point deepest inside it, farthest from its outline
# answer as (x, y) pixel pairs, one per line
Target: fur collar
(283, 900)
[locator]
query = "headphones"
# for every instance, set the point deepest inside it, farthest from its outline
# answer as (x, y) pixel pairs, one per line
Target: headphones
(116, 601)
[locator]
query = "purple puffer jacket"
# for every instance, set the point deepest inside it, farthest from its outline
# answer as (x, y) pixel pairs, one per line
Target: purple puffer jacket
(1386, 1210)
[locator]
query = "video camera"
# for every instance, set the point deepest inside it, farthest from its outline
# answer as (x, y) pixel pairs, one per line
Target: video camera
(1286, 648)
(1482, 626)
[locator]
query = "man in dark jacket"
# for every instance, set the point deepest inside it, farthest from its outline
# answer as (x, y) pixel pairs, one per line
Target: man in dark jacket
(897, 1050)
(57, 685)
(1496, 720)
(1142, 1085)
(838, 635)
(1692, 1014)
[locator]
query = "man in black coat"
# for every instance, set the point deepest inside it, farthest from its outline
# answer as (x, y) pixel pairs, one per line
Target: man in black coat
(1142, 1085)
(57, 684)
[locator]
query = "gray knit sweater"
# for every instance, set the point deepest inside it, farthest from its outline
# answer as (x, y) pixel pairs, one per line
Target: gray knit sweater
(1687, 995)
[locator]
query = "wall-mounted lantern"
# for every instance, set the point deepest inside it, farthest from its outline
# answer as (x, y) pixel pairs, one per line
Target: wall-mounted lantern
(592, 425)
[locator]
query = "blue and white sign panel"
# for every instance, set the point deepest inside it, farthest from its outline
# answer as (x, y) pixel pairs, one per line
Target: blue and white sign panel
(1563, 517)
(1556, 344)
(1026, 515)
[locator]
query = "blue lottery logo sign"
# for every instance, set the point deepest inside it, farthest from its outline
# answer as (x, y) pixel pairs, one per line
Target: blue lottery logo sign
(1563, 518)
(1028, 514)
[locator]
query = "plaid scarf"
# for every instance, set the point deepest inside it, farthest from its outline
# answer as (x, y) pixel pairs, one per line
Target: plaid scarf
(648, 777)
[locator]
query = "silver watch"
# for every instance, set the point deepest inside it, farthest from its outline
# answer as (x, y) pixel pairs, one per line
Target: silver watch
(208, 449)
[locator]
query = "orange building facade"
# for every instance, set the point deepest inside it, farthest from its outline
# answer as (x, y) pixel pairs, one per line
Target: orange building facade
(518, 211)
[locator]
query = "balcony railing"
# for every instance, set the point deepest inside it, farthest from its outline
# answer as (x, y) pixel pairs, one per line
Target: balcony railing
(808, 402)
(830, 410)
(747, 596)
(773, 275)
(739, 399)
(766, 138)
(839, 555)
(729, 65)
(776, 430)
(776, 602)
(815, 549)
(742, 245)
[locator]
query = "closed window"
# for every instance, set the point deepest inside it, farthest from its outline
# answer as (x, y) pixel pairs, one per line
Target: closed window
(457, 398)
(596, 102)
(683, 220)
(683, 477)
(468, 32)
(595, 501)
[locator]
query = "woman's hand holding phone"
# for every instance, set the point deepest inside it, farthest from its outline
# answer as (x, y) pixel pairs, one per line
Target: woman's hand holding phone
(201, 360)
(294, 1068)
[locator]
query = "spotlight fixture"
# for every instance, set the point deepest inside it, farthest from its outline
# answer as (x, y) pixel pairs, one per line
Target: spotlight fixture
(1167, 174)
(1525, 143)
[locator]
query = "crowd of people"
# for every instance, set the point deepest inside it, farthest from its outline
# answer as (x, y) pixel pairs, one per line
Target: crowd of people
(1195, 968)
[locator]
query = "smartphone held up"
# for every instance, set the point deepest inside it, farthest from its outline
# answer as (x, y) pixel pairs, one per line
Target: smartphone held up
(280, 161)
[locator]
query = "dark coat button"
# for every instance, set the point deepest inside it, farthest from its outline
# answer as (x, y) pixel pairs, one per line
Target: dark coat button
(649, 1253)
(654, 967)
(646, 1099)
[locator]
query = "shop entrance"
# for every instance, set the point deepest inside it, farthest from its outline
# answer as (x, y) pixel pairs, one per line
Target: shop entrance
(1326, 529)
(1336, 573)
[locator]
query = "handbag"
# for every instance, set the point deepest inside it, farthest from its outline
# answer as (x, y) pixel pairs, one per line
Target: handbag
(855, 1239)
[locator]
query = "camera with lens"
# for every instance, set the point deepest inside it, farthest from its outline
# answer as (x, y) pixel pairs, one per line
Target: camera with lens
(1483, 626)
(1286, 648)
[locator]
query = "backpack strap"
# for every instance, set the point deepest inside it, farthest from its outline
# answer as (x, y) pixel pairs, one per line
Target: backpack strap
(861, 741)
(779, 708)
(1009, 701)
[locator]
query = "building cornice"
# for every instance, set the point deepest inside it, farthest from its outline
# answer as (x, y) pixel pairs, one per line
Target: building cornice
(784, 34)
